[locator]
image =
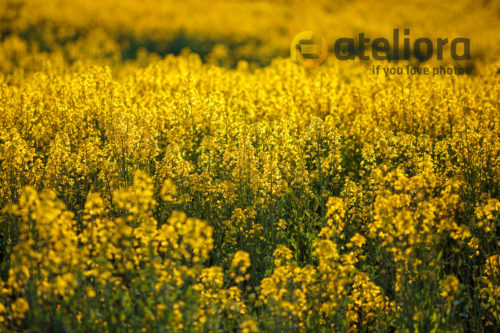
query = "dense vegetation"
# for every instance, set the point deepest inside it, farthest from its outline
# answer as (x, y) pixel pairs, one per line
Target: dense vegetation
(229, 189)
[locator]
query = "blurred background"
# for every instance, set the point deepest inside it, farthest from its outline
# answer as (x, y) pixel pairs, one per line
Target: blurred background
(119, 32)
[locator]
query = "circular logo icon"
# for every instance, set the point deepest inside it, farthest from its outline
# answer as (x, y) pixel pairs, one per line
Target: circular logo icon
(309, 49)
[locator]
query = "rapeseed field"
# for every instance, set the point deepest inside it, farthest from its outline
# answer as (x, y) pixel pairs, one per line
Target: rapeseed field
(166, 167)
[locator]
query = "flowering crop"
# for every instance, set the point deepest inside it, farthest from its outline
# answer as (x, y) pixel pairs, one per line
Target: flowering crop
(176, 194)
